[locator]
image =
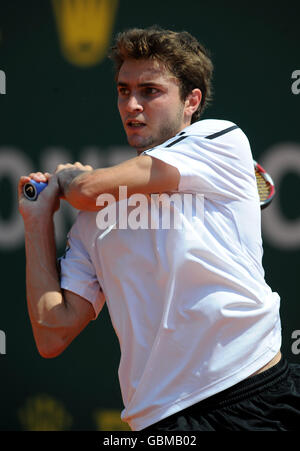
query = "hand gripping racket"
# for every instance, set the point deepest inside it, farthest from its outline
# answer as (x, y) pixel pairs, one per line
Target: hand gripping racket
(265, 186)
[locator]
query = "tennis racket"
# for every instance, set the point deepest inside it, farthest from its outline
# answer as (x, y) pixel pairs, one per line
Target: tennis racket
(265, 185)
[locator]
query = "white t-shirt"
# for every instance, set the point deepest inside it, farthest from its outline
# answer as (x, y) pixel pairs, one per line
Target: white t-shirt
(190, 305)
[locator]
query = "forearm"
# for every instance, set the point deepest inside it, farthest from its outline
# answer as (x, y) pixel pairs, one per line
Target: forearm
(81, 190)
(141, 174)
(46, 305)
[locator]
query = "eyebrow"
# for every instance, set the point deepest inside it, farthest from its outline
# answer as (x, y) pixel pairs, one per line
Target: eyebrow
(141, 85)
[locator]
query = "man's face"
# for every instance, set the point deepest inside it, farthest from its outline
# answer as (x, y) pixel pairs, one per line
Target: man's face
(149, 103)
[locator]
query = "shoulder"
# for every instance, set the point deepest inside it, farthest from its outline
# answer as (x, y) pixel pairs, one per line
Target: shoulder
(213, 133)
(205, 140)
(210, 128)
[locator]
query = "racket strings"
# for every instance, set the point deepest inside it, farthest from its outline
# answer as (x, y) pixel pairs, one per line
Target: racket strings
(264, 187)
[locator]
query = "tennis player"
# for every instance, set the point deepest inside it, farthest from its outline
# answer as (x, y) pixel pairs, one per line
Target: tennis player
(198, 326)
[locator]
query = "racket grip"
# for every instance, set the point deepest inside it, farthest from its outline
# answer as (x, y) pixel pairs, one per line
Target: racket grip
(32, 189)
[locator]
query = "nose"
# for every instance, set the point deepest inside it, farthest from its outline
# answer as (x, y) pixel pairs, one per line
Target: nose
(134, 104)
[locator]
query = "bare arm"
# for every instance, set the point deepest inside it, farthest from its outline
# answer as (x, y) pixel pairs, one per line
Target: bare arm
(142, 174)
(56, 316)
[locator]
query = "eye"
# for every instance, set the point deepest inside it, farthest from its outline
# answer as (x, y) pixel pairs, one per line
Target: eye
(123, 91)
(150, 91)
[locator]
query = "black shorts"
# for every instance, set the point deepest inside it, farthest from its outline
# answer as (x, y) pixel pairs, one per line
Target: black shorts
(268, 401)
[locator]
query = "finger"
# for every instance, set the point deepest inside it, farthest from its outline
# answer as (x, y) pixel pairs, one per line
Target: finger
(48, 176)
(60, 167)
(85, 167)
(38, 176)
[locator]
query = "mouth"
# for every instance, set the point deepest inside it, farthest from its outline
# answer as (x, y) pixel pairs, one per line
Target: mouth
(133, 124)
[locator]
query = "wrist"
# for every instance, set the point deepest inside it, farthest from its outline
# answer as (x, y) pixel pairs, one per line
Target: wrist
(65, 177)
(35, 224)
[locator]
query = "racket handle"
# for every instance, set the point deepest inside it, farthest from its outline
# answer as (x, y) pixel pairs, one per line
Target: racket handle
(32, 189)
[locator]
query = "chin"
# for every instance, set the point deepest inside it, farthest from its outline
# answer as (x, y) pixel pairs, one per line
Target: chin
(140, 146)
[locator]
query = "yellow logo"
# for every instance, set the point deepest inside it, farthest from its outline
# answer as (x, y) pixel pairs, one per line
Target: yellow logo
(110, 420)
(44, 413)
(84, 28)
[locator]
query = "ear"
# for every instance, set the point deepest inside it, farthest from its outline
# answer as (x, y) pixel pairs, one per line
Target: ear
(193, 101)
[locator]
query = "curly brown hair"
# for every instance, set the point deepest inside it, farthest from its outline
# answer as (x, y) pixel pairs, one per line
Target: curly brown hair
(180, 52)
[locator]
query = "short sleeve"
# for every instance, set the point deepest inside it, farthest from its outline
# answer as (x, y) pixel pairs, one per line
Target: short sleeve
(218, 168)
(78, 273)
